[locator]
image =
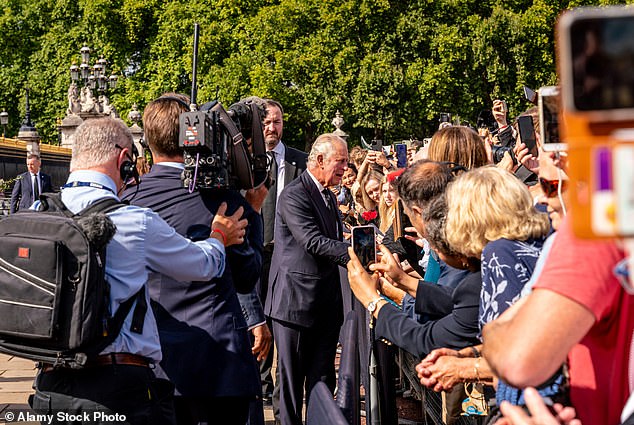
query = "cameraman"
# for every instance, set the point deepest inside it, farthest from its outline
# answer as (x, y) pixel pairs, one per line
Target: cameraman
(121, 379)
(202, 331)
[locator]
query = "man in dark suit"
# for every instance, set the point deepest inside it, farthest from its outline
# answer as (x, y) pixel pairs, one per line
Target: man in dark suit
(25, 190)
(304, 299)
(288, 165)
(203, 334)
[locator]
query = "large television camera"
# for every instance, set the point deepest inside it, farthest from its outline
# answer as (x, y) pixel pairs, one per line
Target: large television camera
(223, 149)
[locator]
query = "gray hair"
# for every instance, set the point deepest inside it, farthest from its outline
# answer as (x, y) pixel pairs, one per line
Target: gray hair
(94, 142)
(435, 219)
(323, 146)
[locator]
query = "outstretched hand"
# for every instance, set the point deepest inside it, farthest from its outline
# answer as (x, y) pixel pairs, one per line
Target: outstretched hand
(230, 230)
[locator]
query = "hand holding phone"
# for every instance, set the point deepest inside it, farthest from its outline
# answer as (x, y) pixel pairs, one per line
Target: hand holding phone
(500, 109)
(527, 134)
(364, 245)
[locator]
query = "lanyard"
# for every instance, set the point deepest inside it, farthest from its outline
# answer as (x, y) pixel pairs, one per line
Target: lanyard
(88, 184)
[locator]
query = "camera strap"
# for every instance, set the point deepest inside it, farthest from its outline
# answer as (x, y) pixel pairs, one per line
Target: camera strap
(238, 154)
(228, 124)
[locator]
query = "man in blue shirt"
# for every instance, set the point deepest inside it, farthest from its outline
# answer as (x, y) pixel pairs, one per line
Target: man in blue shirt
(121, 379)
(203, 334)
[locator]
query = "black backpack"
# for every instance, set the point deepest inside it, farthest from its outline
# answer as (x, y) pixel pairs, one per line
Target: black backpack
(54, 298)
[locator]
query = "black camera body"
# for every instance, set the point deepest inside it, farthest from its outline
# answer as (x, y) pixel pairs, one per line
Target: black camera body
(498, 151)
(214, 142)
(205, 151)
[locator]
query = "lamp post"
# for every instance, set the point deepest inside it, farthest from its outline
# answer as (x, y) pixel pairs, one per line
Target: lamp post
(94, 77)
(4, 120)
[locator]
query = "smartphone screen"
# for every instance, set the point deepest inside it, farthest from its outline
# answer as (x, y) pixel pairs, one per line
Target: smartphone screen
(527, 134)
(376, 145)
(603, 49)
(549, 119)
(401, 155)
(364, 244)
(530, 95)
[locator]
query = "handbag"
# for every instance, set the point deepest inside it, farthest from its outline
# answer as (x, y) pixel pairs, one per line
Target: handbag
(474, 403)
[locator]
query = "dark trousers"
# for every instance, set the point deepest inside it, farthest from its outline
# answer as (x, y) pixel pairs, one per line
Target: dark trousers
(132, 391)
(305, 356)
(263, 285)
(212, 410)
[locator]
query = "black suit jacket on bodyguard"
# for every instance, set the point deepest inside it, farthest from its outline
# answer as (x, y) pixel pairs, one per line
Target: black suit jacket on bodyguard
(304, 286)
(294, 165)
(206, 348)
(22, 194)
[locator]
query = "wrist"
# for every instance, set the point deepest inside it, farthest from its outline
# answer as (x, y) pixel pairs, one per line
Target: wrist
(219, 234)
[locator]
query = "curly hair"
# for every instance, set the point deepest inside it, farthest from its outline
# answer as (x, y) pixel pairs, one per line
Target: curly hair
(487, 204)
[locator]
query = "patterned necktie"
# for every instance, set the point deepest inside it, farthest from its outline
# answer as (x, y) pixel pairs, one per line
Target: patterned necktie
(326, 194)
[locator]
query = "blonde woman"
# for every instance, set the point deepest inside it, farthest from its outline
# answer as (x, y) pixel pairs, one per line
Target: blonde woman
(491, 216)
(387, 204)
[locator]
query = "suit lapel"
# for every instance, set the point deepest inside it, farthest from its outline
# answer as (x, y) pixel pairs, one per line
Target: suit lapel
(290, 168)
(326, 216)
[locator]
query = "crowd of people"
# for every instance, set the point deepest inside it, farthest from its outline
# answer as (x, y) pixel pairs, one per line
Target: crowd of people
(478, 279)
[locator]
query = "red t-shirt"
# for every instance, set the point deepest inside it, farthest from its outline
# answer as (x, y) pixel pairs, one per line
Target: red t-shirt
(582, 270)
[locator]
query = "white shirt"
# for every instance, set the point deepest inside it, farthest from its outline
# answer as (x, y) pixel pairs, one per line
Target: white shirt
(320, 187)
(280, 154)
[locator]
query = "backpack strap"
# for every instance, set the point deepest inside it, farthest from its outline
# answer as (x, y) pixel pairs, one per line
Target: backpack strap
(115, 323)
(53, 202)
(104, 205)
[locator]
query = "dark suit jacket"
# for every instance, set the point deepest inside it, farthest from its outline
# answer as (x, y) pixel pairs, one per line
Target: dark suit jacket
(294, 165)
(304, 286)
(22, 195)
(206, 348)
(456, 324)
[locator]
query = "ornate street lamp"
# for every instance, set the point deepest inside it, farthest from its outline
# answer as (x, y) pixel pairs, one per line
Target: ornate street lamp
(90, 77)
(85, 71)
(85, 54)
(74, 73)
(113, 81)
(4, 120)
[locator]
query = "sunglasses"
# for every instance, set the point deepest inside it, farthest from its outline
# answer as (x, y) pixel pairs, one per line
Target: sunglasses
(551, 187)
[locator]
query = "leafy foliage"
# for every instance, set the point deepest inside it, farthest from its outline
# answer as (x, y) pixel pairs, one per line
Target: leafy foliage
(389, 66)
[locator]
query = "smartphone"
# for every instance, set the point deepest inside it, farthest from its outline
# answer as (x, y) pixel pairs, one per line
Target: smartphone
(376, 145)
(530, 95)
(401, 155)
(548, 105)
(445, 117)
(364, 244)
(597, 45)
(527, 134)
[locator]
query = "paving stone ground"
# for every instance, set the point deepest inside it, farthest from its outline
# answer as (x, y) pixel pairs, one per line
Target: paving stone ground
(16, 384)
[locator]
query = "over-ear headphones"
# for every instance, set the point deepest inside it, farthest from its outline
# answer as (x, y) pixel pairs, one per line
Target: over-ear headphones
(128, 169)
(175, 99)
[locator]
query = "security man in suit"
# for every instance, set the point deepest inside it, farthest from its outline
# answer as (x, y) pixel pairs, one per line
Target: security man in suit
(29, 185)
(304, 299)
(207, 351)
(287, 164)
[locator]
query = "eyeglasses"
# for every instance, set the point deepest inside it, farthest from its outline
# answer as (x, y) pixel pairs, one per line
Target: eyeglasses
(551, 187)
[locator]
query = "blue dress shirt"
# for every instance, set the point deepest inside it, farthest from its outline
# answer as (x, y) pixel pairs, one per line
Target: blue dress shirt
(143, 243)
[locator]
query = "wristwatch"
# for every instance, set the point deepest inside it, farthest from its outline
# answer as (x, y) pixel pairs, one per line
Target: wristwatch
(373, 304)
